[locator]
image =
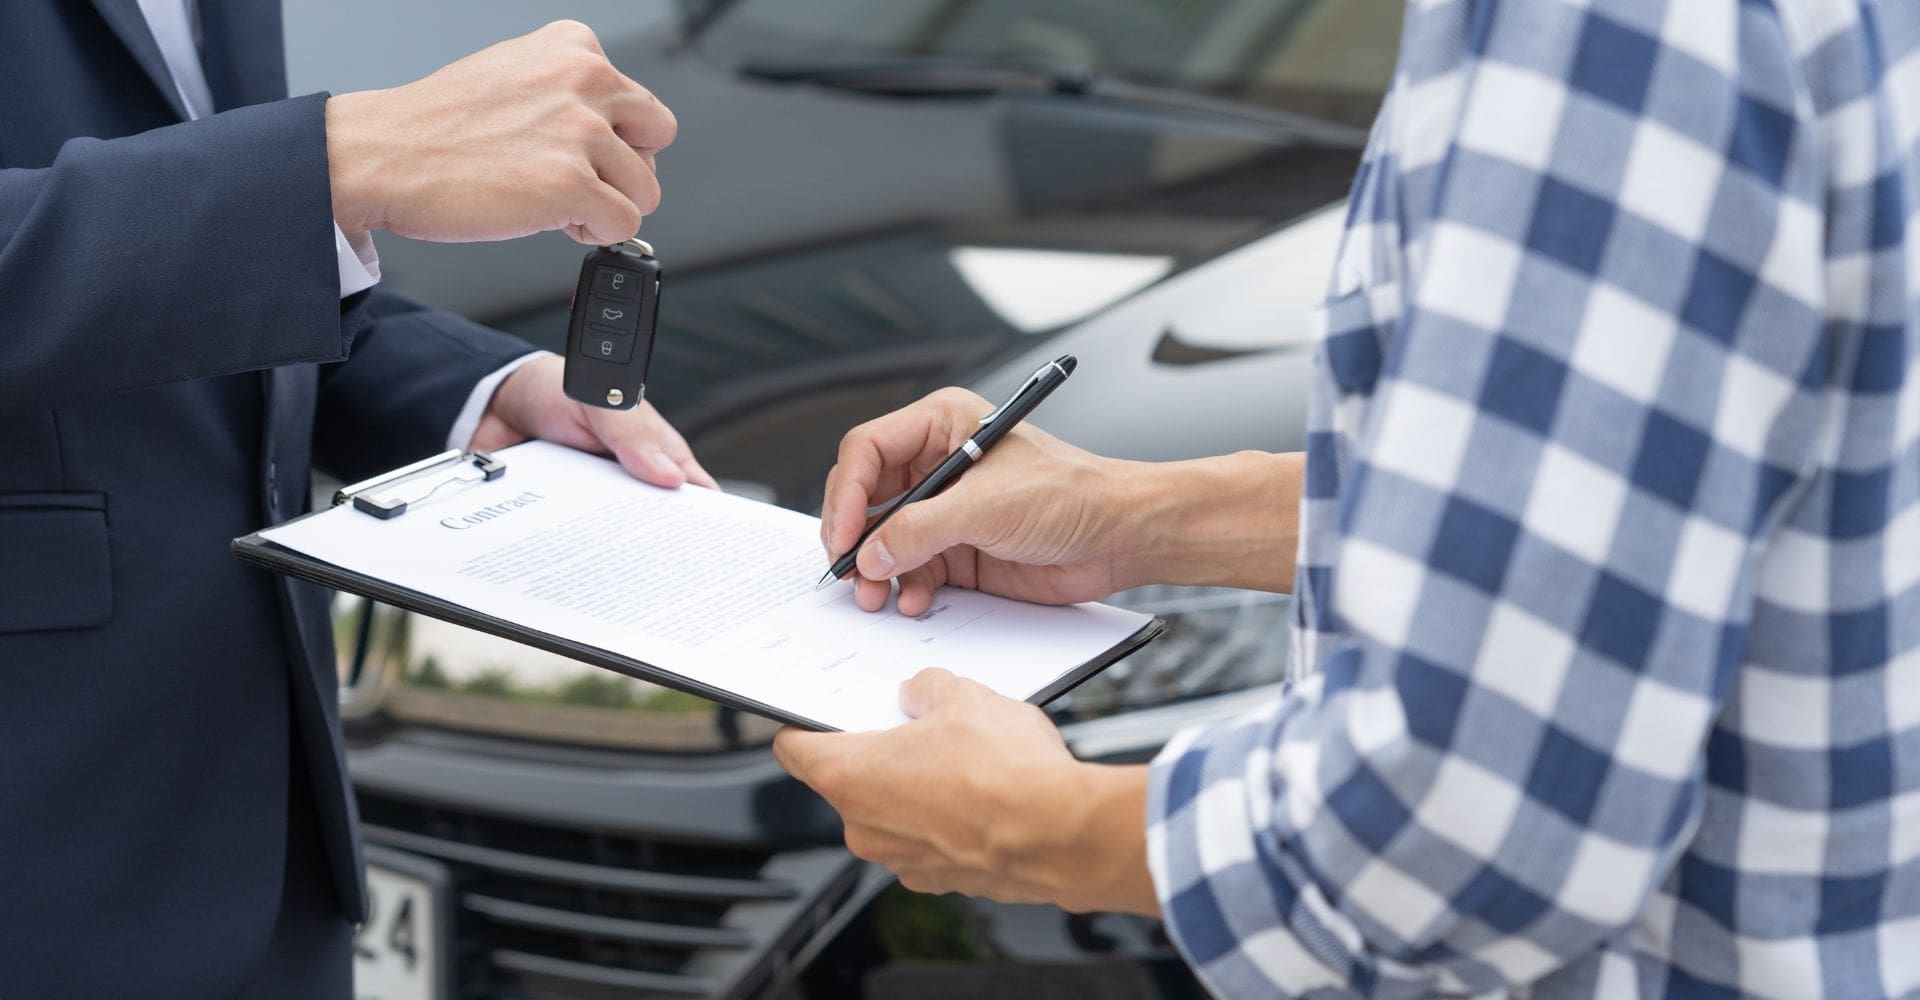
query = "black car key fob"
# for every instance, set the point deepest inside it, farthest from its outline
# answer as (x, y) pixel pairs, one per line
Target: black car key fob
(610, 336)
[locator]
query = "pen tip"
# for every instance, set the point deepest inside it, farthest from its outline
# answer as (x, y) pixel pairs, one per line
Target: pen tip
(825, 581)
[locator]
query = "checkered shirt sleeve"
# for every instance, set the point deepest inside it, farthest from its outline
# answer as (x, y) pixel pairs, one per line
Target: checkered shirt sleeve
(1607, 642)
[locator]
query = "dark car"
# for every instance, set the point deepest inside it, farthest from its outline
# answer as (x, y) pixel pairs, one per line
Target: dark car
(869, 201)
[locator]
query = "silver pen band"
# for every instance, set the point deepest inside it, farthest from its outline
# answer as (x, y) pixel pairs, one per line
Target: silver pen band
(972, 450)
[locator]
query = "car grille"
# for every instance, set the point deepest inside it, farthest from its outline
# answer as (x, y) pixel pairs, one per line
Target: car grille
(543, 912)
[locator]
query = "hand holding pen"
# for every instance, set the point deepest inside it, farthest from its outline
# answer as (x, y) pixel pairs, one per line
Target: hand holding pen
(993, 427)
(1036, 523)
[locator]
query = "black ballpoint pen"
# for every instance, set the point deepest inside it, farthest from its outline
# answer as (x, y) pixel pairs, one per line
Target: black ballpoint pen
(993, 427)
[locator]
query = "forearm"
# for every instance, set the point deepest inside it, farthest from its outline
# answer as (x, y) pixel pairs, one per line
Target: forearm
(1228, 521)
(1083, 840)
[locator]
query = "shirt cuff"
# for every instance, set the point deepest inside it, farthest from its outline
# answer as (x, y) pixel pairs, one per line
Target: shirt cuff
(359, 262)
(1240, 910)
(469, 419)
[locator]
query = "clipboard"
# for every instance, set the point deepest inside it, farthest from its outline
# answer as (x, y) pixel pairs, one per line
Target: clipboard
(394, 494)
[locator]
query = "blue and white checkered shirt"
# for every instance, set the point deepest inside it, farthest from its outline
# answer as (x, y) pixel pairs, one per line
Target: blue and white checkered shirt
(1608, 646)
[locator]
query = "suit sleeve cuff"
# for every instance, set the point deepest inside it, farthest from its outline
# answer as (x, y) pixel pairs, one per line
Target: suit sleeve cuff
(477, 401)
(359, 262)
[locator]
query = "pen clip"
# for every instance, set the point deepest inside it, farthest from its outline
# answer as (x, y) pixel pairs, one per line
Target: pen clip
(1032, 380)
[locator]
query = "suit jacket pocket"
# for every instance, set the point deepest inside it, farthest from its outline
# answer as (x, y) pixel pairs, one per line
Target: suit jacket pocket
(55, 567)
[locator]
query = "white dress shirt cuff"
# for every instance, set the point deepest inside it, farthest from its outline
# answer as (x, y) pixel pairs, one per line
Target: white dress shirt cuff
(469, 419)
(359, 262)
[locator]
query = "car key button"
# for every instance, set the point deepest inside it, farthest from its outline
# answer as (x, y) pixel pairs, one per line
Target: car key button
(607, 345)
(613, 314)
(616, 283)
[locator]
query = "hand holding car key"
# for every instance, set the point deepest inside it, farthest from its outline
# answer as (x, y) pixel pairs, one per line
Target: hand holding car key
(610, 334)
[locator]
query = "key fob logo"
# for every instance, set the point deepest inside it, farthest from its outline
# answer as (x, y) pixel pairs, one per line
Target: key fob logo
(612, 315)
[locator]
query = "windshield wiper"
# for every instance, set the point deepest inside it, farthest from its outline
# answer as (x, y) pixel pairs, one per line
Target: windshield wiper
(919, 76)
(955, 77)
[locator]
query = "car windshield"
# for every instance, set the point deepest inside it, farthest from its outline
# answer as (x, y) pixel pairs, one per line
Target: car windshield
(1329, 59)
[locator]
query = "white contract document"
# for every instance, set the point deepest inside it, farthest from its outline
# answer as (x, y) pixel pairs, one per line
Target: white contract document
(568, 551)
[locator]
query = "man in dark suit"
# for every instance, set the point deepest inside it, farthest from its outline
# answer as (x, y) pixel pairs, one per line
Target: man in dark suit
(189, 319)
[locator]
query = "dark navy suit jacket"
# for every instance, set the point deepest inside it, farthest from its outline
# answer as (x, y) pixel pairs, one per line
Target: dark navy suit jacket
(174, 355)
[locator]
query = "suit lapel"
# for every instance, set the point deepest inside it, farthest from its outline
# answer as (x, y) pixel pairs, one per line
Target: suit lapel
(246, 62)
(126, 21)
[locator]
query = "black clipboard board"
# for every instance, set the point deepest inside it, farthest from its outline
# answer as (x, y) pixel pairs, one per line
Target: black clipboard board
(259, 551)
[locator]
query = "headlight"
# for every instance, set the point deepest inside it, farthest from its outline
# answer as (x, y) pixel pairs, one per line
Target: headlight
(1219, 639)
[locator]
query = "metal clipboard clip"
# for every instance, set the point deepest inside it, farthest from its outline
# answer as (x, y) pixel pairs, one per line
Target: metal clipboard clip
(388, 495)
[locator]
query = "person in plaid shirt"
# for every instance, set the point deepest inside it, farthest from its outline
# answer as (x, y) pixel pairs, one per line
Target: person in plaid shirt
(1607, 588)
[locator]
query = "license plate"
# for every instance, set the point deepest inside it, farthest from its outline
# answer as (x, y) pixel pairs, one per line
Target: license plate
(401, 951)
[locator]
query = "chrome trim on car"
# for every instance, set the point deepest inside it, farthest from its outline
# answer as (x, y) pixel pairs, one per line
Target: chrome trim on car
(508, 911)
(1146, 730)
(600, 975)
(586, 875)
